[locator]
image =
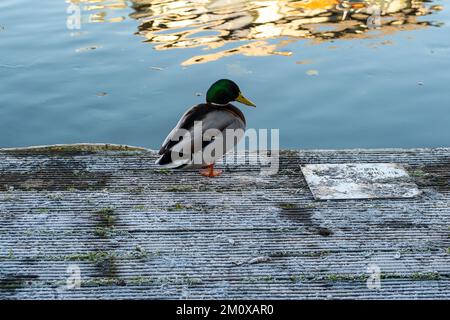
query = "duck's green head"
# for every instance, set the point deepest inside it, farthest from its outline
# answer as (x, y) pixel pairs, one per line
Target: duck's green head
(224, 91)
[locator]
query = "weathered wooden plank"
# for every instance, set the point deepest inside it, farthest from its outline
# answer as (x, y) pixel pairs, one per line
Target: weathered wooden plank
(136, 231)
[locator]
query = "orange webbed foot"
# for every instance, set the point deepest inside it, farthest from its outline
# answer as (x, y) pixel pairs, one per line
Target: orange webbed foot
(210, 172)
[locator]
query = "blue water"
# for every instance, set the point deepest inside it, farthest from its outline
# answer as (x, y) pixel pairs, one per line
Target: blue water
(385, 87)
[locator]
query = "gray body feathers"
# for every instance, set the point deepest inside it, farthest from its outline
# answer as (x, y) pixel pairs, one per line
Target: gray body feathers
(212, 116)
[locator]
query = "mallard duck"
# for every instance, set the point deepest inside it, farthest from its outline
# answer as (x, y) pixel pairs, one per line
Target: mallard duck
(186, 144)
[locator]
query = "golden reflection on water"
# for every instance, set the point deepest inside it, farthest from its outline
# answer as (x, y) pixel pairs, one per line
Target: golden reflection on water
(250, 25)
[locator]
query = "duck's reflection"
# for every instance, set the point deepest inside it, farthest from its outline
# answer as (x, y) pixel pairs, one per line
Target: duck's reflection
(252, 24)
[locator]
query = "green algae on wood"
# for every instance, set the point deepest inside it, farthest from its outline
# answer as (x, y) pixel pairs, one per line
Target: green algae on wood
(72, 148)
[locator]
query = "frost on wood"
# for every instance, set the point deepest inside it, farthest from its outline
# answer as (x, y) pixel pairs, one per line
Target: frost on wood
(104, 222)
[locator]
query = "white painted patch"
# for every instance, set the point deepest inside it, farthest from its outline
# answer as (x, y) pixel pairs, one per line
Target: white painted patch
(359, 181)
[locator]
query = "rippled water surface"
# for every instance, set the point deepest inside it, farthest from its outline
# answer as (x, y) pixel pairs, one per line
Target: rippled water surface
(327, 73)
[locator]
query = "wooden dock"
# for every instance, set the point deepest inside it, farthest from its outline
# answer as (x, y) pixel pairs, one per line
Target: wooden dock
(129, 229)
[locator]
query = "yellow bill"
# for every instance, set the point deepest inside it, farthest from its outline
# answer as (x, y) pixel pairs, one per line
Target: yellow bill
(244, 100)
